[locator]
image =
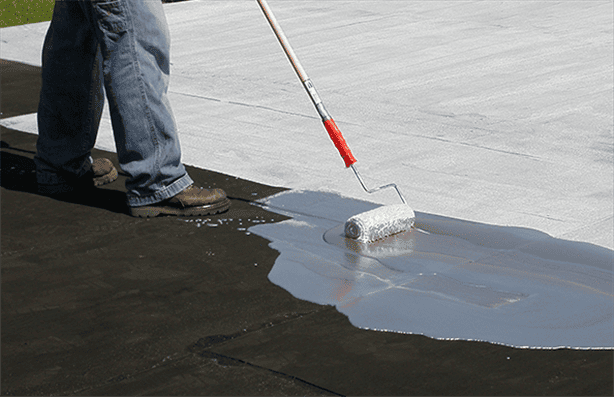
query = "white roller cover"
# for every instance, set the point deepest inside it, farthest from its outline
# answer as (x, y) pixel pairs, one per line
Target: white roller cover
(380, 222)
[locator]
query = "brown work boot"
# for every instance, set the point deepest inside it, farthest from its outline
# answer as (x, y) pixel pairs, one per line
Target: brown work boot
(100, 173)
(193, 201)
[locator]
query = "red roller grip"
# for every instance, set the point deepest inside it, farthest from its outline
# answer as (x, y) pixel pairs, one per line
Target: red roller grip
(339, 141)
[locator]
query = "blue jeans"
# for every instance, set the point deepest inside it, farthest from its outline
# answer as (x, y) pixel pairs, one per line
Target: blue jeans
(124, 47)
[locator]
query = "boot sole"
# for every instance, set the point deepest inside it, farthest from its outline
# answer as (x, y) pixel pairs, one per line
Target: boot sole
(151, 211)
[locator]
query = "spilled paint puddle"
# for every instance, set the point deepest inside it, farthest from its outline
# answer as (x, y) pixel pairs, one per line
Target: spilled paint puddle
(447, 278)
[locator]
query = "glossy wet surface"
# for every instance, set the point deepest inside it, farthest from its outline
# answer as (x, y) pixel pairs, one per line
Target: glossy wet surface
(447, 278)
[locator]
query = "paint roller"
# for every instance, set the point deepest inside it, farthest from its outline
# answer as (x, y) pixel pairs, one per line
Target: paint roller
(368, 226)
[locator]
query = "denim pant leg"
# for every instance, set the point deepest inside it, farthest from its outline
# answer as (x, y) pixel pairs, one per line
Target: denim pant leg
(133, 39)
(71, 98)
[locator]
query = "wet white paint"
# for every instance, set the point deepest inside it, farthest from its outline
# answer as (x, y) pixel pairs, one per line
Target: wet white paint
(447, 278)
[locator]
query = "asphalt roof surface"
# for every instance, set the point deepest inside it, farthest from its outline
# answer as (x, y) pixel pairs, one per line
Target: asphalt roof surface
(95, 302)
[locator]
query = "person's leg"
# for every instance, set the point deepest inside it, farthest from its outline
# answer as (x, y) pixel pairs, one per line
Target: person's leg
(135, 44)
(126, 45)
(71, 101)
